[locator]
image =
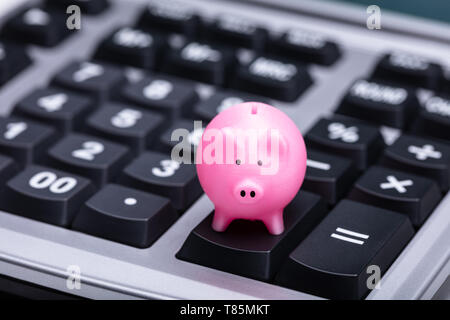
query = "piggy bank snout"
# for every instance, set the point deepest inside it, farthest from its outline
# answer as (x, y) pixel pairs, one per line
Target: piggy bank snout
(248, 191)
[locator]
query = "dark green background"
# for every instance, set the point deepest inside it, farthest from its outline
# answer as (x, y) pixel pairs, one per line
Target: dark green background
(431, 9)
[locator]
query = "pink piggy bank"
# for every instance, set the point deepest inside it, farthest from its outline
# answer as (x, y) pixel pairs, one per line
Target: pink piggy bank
(251, 161)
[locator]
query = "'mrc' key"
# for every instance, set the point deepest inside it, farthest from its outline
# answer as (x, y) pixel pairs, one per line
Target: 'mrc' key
(273, 78)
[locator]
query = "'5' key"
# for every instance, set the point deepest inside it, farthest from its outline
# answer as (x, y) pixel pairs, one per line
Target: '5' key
(124, 124)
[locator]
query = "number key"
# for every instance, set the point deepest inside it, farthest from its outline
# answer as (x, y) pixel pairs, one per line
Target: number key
(46, 194)
(157, 173)
(129, 126)
(55, 107)
(222, 100)
(94, 158)
(24, 140)
(163, 94)
(99, 80)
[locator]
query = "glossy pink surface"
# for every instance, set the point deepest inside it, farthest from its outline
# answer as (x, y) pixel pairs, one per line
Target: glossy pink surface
(257, 178)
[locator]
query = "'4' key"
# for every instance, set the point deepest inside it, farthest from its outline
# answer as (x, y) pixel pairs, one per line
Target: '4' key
(59, 108)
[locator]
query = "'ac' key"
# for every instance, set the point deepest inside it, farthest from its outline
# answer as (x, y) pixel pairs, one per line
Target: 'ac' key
(408, 69)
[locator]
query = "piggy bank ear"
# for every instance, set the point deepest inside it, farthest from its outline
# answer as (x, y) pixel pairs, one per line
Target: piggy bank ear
(283, 146)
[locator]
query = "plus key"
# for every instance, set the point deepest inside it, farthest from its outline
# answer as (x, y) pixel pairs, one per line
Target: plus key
(420, 156)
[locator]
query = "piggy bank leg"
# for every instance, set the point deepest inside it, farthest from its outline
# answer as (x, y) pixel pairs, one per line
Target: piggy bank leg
(221, 221)
(274, 223)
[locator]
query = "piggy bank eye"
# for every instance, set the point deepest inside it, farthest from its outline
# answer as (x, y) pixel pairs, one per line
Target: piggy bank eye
(238, 162)
(260, 163)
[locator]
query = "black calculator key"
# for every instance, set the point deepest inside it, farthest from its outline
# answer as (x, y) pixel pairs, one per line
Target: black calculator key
(157, 173)
(13, 59)
(8, 168)
(23, 140)
(246, 248)
(236, 31)
(59, 108)
(445, 81)
(137, 129)
(46, 194)
(397, 191)
(38, 26)
(328, 175)
(408, 69)
(94, 158)
(98, 80)
(305, 46)
(182, 139)
(167, 95)
(131, 46)
(434, 117)
(420, 156)
(126, 215)
(273, 78)
(380, 103)
(337, 258)
(170, 16)
(201, 62)
(348, 138)
(90, 7)
(222, 100)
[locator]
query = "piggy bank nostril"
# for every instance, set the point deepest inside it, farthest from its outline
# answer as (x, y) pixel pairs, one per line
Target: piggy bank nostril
(252, 194)
(242, 193)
